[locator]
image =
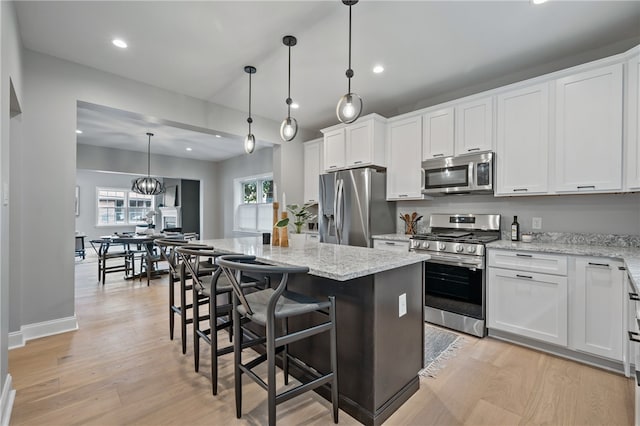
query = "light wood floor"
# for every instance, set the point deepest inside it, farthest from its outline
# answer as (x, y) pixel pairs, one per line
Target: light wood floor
(121, 368)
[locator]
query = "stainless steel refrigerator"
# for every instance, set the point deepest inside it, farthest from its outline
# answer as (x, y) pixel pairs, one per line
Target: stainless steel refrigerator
(353, 207)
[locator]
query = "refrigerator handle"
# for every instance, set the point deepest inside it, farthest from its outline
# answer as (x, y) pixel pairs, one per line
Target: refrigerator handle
(335, 208)
(340, 210)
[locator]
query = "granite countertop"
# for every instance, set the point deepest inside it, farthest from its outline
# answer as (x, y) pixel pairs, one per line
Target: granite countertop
(630, 255)
(392, 237)
(340, 263)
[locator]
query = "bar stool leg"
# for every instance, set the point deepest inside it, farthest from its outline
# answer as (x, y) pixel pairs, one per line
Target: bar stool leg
(334, 359)
(183, 312)
(196, 328)
(285, 352)
(172, 302)
(271, 372)
(213, 323)
(237, 356)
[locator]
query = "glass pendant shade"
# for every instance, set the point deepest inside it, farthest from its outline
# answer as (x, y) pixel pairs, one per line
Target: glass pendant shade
(147, 185)
(349, 108)
(288, 129)
(249, 143)
(350, 105)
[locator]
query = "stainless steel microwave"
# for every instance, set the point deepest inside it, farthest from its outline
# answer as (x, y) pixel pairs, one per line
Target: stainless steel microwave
(471, 173)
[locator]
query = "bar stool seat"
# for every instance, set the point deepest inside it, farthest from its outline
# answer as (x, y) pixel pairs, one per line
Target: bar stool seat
(271, 307)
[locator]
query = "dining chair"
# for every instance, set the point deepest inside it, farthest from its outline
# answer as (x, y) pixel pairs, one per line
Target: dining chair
(124, 257)
(271, 307)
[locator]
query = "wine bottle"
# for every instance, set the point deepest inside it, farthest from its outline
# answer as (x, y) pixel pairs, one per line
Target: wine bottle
(515, 229)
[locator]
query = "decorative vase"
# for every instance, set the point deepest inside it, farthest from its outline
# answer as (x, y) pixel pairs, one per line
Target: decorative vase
(297, 240)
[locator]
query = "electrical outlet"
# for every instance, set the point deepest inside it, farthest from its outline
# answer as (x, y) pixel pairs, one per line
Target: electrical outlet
(536, 223)
(402, 305)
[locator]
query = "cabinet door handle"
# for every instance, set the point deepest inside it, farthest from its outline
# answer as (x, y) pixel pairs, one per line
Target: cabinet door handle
(622, 268)
(403, 195)
(634, 296)
(520, 189)
(357, 162)
(389, 243)
(586, 187)
(606, 265)
(473, 149)
(333, 167)
(529, 277)
(634, 337)
(438, 155)
(523, 255)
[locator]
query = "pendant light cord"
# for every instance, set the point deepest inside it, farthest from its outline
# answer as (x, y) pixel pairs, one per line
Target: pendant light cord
(149, 158)
(249, 103)
(349, 79)
(289, 87)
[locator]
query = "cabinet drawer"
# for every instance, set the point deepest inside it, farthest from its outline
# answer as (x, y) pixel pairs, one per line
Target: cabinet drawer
(399, 246)
(528, 261)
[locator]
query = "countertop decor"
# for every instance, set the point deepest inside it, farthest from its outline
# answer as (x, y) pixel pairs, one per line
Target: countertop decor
(410, 222)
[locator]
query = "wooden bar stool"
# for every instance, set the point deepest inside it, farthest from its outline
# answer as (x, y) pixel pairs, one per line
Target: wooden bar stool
(266, 308)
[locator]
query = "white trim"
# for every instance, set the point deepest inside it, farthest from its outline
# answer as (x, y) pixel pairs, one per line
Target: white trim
(42, 329)
(16, 340)
(6, 401)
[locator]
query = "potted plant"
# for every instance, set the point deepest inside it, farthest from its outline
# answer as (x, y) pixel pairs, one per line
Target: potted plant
(299, 216)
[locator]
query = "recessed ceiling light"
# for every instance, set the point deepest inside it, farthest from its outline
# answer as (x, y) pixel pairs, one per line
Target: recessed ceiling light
(78, 131)
(218, 136)
(295, 105)
(189, 149)
(119, 43)
(538, 1)
(378, 69)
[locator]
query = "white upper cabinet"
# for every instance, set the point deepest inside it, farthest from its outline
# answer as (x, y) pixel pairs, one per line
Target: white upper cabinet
(437, 135)
(334, 145)
(596, 303)
(312, 168)
(404, 169)
(633, 125)
(589, 131)
(355, 145)
(474, 126)
(522, 146)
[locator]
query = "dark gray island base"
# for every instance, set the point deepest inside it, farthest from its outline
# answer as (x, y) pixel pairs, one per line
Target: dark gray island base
(379, 353)
(380, 348)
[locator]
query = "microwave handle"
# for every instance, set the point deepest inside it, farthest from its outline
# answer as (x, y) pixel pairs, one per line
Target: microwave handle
(424, 176)
(472, 176)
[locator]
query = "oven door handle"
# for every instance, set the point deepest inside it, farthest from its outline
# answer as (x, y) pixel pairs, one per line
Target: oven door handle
(454, 261)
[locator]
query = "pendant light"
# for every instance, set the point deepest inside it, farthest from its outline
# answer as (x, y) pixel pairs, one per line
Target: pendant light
(289, 126)
(147, 185)
(350, 105)
(250, 140)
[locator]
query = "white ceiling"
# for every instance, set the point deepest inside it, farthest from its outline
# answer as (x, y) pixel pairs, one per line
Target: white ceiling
(428, 48)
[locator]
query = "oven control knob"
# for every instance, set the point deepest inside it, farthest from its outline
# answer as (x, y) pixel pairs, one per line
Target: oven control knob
(471, 249)
(442, 246)
(459, 248)
(425, 244)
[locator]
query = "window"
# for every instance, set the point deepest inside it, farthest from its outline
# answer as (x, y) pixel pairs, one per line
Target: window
(122, 207)
(253, 206)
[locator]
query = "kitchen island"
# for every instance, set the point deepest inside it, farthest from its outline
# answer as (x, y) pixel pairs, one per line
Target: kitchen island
(379, 310)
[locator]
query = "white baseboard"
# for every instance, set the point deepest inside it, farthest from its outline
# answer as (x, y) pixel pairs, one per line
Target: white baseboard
(6, 401)
(41, 329)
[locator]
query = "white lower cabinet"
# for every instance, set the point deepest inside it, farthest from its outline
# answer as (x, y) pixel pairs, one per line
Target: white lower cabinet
(529, 304)
(393, 245)
(576, 302)
(597, 324)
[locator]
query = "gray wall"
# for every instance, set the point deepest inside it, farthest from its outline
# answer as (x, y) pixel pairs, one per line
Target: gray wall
(52, 89)
(107, 159)
(596, 213)
(260, 162)
(88, 180)
(11, 70)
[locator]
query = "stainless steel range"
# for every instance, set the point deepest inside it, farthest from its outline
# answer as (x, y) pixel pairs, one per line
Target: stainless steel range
(455, 276)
